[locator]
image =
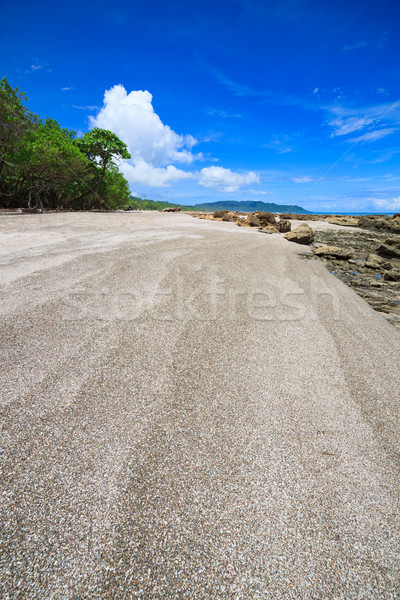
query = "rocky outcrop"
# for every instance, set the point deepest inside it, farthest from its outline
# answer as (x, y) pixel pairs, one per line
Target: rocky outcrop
(266, 218)
(228, 216)
(335, 252)
(375, 278)
(380, 223)
(303, 234)
(172, 209)
(392, 275)
(390, 247)
(253, 221)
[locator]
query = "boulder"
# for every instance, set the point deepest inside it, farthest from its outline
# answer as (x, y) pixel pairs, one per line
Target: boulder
(390, 247)
(284, 225)
(172, 209)
(265, 218)
(303, 234)
(373, 261)
(335, 252)
(253, 220)
(269, 229)
(218, 214)
(229, 216)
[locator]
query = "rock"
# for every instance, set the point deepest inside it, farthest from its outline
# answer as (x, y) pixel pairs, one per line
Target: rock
(335, 252)
(172, 209)
(390, 247)
(344, 221)
(380, 223)
(265, 218)
(373, 261)
(269, 229)
(303, 234)
(253, 220)
(229, 216)
(284, 225)
(392, 275)
(218, 214)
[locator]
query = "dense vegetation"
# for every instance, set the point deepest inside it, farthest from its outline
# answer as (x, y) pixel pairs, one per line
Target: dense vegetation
(146, 204)
(43, 165)
(250, 206)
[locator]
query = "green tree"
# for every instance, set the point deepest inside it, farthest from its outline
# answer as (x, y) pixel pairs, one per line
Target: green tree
(101, 146)
(44, 165)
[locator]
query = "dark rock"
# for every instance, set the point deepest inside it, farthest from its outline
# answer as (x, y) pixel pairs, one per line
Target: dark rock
(391, 247)
(253, 220)
(265, 218)
(392, 275)
(284, 225)
(218, 214)
(172, 209)
(229, 216)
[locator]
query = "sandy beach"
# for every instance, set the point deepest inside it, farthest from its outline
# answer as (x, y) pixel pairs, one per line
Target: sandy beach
(190, 409)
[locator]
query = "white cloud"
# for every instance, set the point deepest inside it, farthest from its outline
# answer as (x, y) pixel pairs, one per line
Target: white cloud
(88, 107)
(66, 89)
(316, 90)
(305, 179)
(132, 117)
(36, 67)
(382, 91)
(387, 204)
(155, 148)
(225, 180)
(344, 126)
(145, 174)
(371, 136)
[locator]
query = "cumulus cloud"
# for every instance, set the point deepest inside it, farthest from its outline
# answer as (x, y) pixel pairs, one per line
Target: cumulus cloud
(158, 152)
(132, 117)
(225, 180)
(145, 174)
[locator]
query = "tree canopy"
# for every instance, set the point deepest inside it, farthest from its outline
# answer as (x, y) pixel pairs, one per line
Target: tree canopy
(44, 165)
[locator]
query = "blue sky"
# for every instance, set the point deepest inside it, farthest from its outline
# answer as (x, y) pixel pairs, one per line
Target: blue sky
(290, 102)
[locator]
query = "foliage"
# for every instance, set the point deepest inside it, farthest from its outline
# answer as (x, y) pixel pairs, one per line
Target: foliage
(146, 204)
(43, 165)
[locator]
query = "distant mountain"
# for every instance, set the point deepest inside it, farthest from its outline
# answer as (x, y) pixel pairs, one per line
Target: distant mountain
(146, 204)
(251, 207)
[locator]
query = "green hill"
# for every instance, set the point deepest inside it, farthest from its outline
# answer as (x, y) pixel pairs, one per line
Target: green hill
(146, 204)
(249, 206)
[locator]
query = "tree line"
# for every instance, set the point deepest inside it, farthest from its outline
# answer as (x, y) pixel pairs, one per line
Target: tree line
(43, 165)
